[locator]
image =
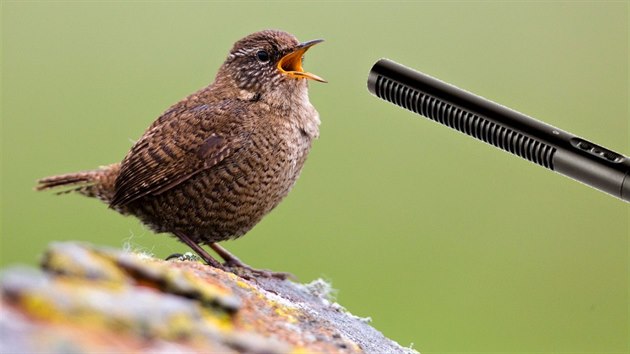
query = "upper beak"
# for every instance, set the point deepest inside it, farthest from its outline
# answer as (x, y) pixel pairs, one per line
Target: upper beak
(291, 63)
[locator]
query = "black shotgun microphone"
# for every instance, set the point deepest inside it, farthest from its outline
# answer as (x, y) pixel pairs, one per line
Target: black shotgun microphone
(502, 127)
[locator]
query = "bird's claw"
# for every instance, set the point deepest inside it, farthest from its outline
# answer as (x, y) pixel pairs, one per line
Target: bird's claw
(239, 268)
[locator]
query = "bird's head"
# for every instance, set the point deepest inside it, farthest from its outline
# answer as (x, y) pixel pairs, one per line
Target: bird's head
(269, 61)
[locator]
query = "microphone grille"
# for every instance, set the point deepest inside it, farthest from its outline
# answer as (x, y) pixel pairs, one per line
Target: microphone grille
(466, 122)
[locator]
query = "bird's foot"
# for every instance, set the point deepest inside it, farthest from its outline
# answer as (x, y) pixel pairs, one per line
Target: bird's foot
(232, 263)
(241, 269)
(237, 267)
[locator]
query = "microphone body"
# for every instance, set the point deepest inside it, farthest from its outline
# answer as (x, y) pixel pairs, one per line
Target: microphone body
(502, 127)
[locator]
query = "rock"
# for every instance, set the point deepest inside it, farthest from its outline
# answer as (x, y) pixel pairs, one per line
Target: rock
(96, 299)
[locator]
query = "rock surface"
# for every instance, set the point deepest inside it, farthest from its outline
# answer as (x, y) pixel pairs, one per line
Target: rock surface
(94, 299)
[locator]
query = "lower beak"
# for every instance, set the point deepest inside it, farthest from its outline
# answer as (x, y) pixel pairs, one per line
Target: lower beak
(291, 64)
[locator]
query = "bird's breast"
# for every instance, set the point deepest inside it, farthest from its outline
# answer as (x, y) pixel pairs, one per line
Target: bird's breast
(277, 150)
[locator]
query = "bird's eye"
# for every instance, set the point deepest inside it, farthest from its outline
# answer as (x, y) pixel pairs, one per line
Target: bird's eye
(262, 56)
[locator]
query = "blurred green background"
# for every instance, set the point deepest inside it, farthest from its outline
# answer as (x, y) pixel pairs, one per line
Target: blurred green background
(445, 242)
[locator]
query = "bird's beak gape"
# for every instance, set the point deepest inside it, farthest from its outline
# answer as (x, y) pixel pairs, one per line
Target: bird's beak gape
(291, 63)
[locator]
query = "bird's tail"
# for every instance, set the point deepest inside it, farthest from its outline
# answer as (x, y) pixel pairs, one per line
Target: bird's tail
(97, 183)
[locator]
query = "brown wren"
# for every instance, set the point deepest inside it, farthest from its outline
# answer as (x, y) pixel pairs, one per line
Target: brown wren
(211, 166)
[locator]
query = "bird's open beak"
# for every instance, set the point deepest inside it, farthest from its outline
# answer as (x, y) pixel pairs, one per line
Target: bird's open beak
(291, 64)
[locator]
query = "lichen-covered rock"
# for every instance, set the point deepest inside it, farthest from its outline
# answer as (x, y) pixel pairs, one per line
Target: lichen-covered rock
(94, 299)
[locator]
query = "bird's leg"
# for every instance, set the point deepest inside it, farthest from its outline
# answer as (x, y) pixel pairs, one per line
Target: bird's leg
(200, 251)
(231, 261)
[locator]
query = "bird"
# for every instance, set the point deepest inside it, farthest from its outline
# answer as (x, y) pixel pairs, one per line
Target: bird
(216, 162)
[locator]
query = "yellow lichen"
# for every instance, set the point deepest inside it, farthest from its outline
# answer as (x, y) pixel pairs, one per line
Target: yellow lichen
(300, 350)
(207, 291)
(40, 307)
(177, 326)
(222, 323)
(83, 263)
(242, 284)
(285, 312)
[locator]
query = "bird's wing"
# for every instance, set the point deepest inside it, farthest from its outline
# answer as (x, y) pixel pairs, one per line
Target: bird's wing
(170, 153)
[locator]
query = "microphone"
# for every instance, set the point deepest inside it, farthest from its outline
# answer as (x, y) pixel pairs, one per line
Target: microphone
(506, 129)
